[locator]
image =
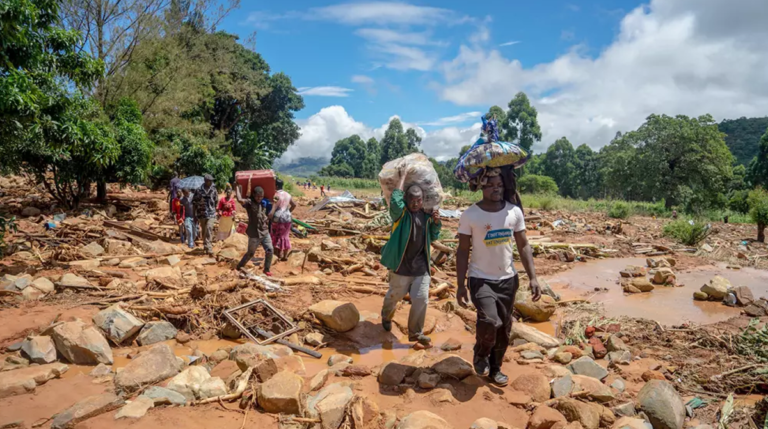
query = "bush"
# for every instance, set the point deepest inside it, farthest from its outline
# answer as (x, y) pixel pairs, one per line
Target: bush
(758, 211)
(619, 210)
(546, 203)
(6, 225)
(738, 201)
(535, 184)
(688, 232)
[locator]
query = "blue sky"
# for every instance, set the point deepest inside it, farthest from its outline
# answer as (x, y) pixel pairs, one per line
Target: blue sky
(591, 67)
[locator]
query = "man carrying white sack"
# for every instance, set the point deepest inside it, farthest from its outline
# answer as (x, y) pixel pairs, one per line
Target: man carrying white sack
(407, 257)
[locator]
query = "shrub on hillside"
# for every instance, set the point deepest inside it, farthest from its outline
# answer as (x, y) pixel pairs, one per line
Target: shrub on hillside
(535, 184)
(758, 211)
(738, 201)
(688, 232)
(619, 210)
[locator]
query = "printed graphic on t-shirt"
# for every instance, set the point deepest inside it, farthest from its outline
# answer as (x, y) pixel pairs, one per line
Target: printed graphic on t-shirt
(498, 237)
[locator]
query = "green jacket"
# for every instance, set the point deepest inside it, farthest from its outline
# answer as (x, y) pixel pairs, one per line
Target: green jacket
(402, 221)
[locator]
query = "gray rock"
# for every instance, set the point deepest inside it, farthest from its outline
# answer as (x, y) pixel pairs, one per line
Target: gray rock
(620, 357)
(484, 423)
(281, 393)
(157, 394)
(662, 404)
(631, 423)
(30, 211)
(117, 324)
(614, 344)
(136, 409)
(625, 410)
(86, 408)
(533, 335)
(330, 404)
(453, 366)
(313, 339)
(149, 367)
(81, 344)
(619, 385)
(189, 382)
(212, 388)
(393, 373)
(562, 386)
(337, 315)
(717, 288)
(18, 284)
(20, 381)
(250, 354)
(319, 380)
(93, 249)
(531, 354)
(219, 355)
(43, 285)
(40, 350)
(15, 347)
(101, 370)
(70, 279)
(428, 381)
(156, 332)
(587, 366)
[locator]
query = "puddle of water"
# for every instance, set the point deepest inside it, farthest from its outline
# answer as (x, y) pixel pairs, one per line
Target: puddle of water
(667, 305)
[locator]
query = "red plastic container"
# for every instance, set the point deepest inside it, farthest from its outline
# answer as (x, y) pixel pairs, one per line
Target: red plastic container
(251, 179)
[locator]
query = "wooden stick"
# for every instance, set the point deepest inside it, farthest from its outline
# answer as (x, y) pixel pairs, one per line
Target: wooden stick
(362, 289)
(734, 371)
(442, 247)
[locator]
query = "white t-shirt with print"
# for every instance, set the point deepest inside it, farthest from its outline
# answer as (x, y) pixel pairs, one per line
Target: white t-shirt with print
(492, 240)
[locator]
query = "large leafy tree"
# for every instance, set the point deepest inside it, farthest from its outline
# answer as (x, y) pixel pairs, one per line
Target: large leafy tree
(743, 136)
(347, 158)
(757, 174)
(587, 177)
(397, 142)
(559, 164)
(679, 159)
(49, 129)
(519, 124)
(371, 164)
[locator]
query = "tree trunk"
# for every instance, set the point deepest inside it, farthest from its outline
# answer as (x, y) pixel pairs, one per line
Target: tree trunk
(761, 232)
(101, 191)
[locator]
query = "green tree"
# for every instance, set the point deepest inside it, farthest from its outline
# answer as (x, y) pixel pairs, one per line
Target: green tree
(350, 153)
(757, 174)
(559, 165)
(520, 124)
(397, 143)
(135, 148)
(743, 136)
(49, 129)
(588, 178)
(535, 184)
(371, 166)
(758, 211)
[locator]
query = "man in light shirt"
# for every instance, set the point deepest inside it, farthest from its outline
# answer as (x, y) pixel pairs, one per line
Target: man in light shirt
(488, 227)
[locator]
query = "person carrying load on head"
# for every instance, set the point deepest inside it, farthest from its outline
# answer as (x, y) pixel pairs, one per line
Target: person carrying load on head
(258, 228)
(282, 219)
(407, 257)
(226, 211)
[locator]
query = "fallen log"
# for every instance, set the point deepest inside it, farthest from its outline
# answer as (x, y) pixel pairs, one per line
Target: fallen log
(165, 309)
(363, 289)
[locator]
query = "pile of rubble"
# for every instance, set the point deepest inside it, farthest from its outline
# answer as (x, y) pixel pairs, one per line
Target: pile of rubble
(659, 272)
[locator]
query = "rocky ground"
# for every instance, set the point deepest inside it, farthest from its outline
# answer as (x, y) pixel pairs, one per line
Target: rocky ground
(107, 321)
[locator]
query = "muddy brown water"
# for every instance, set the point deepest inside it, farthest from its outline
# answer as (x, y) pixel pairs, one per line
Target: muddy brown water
(667, 305)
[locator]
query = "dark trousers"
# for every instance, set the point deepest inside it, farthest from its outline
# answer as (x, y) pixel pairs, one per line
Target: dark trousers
(494, 300)
(253, 245)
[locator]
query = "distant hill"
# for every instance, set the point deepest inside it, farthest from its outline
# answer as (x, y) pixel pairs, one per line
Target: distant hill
(302, 167)
(743, 136)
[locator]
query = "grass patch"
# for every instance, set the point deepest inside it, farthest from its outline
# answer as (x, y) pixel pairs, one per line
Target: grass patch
(688, 232)
(619, 210)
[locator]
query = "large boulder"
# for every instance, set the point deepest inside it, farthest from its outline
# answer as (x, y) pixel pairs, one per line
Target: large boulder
(585, 365)
(545, 417)
(717, 288)
(81, 344)
(118, 324)
(188, 382)
(534, 384)
(663, 275)
(539, 311)
(453, 366)
(423, 420)
(337, 315)
(40, 350)
(251, 355)
(281, 394)
(156, 332)
(86, 408)
(662, 404)
(20, 381)
(330, 405)
(533, 335)
(149, 367)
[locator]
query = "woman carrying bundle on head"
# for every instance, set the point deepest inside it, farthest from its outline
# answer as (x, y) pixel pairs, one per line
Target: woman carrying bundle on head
(282, 219)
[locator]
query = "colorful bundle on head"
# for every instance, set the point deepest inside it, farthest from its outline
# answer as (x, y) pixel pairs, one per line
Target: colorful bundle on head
(489, 152)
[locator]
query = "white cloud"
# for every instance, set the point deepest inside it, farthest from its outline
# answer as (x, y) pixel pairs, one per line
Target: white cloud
(325, 91)
(673, 56)
(510, 43)
(382, 13)
(462, 117)
(358, 78)
(385, 36)
(322, 130)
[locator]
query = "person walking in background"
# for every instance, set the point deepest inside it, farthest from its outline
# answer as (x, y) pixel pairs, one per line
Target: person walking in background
(282, 220)
(178, 212)
(407, 257)
(488, 227)
(174, 190)
(226, 211)
(190, 226)
(205, 200)
(258, 228)
(322, 191)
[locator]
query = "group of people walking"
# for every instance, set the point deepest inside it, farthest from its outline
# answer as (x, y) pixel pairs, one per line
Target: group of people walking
(269, 225)
(488, 278)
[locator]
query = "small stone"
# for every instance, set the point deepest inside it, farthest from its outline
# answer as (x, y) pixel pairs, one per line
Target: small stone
(189, 381)
(70, 279)
(93, 250)
(744, 296)
(614, 343)
(43, 285)
(337, 315)
(86, 408)
(531, 354)
(40, 350)
(625, 410)
(81, 344)
(453, 366)
(219, 355)
(653, 375)
(562, 386)
(700, 296)
(534, 384)
(329, 245)
(484, 423)
(89, 264)
(518, 399)
(619, 385)
(118, 324)
(622, 358)
(212, 388)
(393, 373)
(356, 371)
(319, 380)
(159, 394)
(452, 344)
(136, 409)
(545, 417)
(563, 358)
(587, 366)
(101, 370)
(314, 339)
(642, 284)
(134, 262)
(533, 335)
(30, 211)
(428, 381)
(337, 359)
(149, 367)
(423, 420)
(717, 288)
(598, 349)
(662, 404)
(172, 260)
(183, 337)
(25, 380)
(330, 405)
(281, 394)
